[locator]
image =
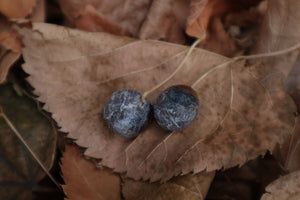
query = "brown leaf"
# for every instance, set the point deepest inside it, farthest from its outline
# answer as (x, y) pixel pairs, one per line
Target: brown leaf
(243, 110)
(223, 21)
(91, 20)
(182, 187)
(39, 12)
(166, 20)
(10, 47)
(19, 172)
(17, 8)
(284, 188)
(9, 37)
(120, 16)
(279, 31)
(7, 59)
(84, 181)
(288, 153)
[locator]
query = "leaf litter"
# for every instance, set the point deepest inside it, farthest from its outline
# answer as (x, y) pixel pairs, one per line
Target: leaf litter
(243, 109)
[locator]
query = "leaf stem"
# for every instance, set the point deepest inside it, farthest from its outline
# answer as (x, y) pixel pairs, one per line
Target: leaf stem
(275, 53)
(178, 68)
(17, 133)
(235, 59)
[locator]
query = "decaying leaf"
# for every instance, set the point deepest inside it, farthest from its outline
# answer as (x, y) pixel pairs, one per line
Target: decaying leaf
(243, 110)
(84, 181)
(9, 38)
(288, 153)
(182, 187)
(17, 8)
(10, 47)
(230, 26)
(166, 20)
(285, 188)
(39, 12)
(279, 31)
(7, 59)
(19, 172)
(118, 17)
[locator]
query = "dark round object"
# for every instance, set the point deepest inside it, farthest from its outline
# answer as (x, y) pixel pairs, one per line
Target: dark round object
(126, 114)
(176, 108)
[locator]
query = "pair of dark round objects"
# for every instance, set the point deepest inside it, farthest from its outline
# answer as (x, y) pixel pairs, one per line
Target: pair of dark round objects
(127, 115)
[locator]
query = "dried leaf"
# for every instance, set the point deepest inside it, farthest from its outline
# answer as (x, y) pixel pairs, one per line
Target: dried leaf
(17, 8)
(166, 20)
(223, 22)
(280, 30)
(284, 188)
(91, 20)
(7, 59)
(288, 153)
(9, 37)
(124, 17)
(243, 110)
(39, 12)
(182, 187)
(10, 47)
(84, 181)
(19, 172)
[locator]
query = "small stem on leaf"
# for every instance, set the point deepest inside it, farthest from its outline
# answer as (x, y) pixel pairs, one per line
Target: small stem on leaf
(178, 68)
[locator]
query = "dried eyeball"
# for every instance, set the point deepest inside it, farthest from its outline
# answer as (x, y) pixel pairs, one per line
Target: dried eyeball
(126, 114)
(176, 108)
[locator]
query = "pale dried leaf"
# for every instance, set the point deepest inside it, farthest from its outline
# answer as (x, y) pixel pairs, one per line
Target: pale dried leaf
(288, 153)
(84, 181)
(243, 110)
(285, 188)
(182, 187)
(280, 30)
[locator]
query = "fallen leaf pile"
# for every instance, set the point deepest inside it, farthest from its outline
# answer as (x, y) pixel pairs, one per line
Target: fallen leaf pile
(243, 71)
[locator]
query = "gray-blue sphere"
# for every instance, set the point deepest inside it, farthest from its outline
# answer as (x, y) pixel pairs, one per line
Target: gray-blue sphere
(176, 108)
(126, 114)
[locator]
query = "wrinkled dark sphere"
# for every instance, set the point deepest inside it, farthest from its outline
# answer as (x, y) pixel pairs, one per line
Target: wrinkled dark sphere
(176, 108)
(126, 114)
